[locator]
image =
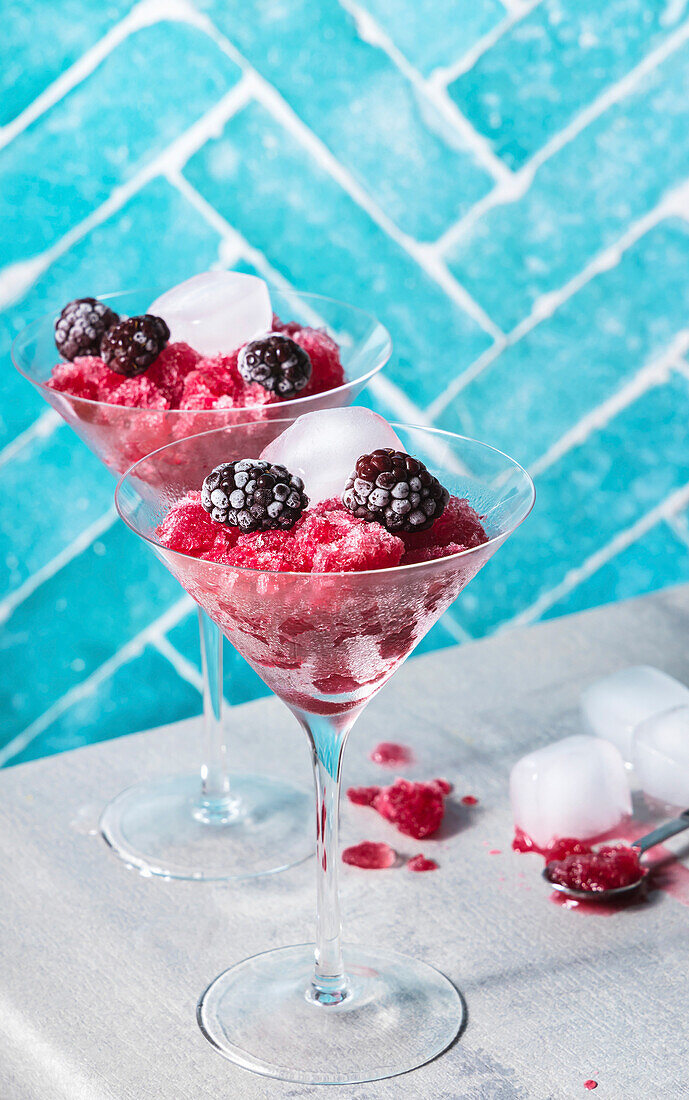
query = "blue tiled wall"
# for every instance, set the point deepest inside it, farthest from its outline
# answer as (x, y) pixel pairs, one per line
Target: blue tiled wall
(504, 182)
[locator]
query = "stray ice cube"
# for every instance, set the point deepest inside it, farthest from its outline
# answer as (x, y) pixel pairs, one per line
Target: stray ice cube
(661, 757)
(612, 707)
(216, 312)
(576, 787)
(322, 447)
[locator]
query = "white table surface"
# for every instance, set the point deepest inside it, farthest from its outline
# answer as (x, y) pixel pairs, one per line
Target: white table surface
(101, 968)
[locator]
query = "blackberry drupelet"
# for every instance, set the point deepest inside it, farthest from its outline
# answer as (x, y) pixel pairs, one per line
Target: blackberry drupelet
(277, 363)
(396, 490)
(131, 346)
(81, 326)
(253, 495)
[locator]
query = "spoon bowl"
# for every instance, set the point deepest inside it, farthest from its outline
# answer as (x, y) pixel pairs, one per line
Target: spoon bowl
(617, 893)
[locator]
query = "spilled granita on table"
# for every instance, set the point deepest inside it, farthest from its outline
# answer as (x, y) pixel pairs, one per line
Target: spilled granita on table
(212, 342)
(415, 809)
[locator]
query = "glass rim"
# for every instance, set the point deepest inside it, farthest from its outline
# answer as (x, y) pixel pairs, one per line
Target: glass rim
(342, 572)
(38, 322)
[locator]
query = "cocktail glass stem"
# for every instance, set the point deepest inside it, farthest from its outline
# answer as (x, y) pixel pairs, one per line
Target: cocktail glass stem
(215, 806)
(327, 737)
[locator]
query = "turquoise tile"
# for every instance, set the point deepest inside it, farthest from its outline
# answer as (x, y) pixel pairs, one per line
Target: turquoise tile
(76, 621)
(356, 100)
(582, 198)
(240, 683)
(311, 231)
(137, 101)
(658, 559)
(41, 39)
(144, 693)
(583, 501)
(438, 637)
(157, 235)
(434, 33)
(555, 61)
(596, 341)
(51, 490)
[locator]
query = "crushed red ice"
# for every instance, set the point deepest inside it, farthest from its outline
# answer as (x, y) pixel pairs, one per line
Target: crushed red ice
(608, 868)
(326, 539)
(415, 809)
(370, 855)
(180, 378)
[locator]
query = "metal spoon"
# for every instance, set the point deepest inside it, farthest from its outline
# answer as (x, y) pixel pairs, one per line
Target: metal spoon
(663, 832)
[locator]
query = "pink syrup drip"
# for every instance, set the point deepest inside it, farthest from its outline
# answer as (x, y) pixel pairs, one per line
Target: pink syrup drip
(370, 855)
(469, 800)
(421, 863)
(390, 754)
(590, 1084)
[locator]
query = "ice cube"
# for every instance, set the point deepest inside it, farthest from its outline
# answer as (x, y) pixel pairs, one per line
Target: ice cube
(322, 447)
(576, 787)
(612, 707)
(661, 757)
(216, 312)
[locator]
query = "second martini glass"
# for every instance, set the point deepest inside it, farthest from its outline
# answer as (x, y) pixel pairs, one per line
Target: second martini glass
(221, 824)
(325, 644)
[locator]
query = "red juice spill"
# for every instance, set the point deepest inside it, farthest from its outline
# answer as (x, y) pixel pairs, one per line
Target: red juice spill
(495, 852)
(389, 754)
(590, 1084)
(369, 855)
(469, 800)
(421, 863)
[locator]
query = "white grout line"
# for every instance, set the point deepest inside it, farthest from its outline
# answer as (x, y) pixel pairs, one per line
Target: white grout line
(142, 15)
(76, 547)
(674, 203)
(516, 11)
(515, 188)
(664, 511)
(370, 31)
(133, 648)
(184, 668)
(653, 374)
(41, 428)
(16, 279)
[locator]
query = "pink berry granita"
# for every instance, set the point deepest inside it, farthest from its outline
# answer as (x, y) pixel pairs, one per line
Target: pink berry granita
(332, 615)
(326, 539)
(180, 378)
(608, 868)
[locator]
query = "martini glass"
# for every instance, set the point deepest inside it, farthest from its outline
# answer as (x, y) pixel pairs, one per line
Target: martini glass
(325, 644)
(219, 825)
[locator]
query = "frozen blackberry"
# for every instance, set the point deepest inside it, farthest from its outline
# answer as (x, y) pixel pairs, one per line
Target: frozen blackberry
(81, 326)
(277, 363)
(132, 345)
(396, 490)
(253, 495)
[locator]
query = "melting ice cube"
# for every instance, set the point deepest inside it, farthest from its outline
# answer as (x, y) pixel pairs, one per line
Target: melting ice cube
(576, 787)
(612, 707)
(661, 757)
(216, 312)
(322, 447)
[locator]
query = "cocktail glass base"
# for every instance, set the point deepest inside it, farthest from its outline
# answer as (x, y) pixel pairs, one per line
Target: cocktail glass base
(398, 1013)
(163, 827)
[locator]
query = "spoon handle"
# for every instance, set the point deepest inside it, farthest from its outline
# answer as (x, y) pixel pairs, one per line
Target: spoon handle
(663, 832)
